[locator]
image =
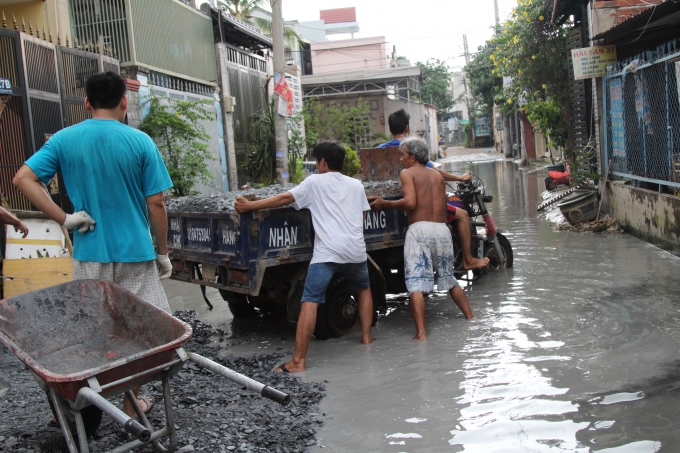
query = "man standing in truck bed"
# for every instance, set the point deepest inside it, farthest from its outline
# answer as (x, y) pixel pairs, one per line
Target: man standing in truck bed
(427, 246)
(337, 204)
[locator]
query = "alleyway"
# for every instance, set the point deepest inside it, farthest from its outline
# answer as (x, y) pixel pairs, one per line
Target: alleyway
(575, 349)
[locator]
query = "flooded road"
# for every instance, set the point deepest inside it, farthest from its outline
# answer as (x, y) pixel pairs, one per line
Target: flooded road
(574, 349)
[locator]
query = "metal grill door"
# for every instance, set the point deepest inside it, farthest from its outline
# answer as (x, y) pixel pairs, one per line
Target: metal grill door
(15, 145)
(44, 96)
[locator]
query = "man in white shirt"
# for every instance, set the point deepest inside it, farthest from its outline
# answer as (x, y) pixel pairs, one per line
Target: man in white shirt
(337, 204)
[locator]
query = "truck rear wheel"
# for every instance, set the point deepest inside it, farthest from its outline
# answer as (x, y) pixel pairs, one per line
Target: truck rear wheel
(238, 304)
(340, 314)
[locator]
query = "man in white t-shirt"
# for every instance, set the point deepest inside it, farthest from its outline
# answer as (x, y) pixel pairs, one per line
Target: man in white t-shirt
(337, 204)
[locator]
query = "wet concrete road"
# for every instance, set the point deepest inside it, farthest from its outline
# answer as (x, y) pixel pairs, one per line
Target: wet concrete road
(575, 349)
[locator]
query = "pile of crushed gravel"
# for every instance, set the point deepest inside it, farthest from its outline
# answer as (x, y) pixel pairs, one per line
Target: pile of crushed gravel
(212, 414)
(383, 188)
(224, 201)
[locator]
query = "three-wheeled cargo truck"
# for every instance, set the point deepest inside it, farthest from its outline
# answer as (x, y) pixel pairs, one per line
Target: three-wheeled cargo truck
(259, 260)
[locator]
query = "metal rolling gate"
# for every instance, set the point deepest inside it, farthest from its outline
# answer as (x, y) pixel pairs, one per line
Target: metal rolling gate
(48, 83)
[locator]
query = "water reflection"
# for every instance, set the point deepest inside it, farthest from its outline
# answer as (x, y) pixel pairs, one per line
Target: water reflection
(572, 339)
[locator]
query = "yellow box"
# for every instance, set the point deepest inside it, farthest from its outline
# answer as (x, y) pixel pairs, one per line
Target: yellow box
(26, 275)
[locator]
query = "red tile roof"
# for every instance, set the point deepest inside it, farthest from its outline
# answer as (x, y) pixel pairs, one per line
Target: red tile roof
(338, 15)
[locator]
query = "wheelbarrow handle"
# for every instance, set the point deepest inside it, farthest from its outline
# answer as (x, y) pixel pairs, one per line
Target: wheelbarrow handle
(130, 425)
(251, 384)
(275, 395)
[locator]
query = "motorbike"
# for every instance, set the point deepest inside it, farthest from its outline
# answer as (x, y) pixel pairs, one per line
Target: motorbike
(486, 241)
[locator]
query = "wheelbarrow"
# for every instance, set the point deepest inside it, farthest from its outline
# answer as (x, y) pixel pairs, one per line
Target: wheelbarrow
(87, 341)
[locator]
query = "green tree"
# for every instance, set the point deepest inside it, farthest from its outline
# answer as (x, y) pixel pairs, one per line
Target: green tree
(341, 123)
(296, 147)
(261, 161)
(531, 51)
(352, 164)
(175, 127)
(436, 84)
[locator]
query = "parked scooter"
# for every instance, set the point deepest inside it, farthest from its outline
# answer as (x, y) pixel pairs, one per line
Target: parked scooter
(485, 239)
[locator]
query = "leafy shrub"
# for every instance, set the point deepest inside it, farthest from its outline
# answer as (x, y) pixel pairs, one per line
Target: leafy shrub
(174, 126)
(352, 165)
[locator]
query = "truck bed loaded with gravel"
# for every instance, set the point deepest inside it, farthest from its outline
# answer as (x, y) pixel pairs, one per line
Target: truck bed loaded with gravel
(260, 259)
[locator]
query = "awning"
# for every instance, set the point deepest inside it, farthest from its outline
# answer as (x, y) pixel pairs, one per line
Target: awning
(661, 20)
(362, 75)
(235, 31)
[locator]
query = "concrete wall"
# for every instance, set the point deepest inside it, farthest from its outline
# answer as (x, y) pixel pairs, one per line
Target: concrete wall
(648, 215)
(378, 119)
(50, 15)
(314, 31)
(349, 54)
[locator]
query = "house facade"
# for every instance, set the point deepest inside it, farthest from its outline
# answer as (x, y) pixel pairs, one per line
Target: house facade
(636, 112)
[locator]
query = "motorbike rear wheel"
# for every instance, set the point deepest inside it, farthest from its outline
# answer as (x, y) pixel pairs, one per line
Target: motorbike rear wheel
(495, 261)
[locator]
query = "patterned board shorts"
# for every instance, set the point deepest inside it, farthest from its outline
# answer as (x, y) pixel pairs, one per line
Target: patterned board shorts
(428, 248)
(138, 278)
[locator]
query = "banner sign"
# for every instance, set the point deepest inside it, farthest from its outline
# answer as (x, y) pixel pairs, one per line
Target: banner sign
(482, 126)
(591, 62)
(616, 117)
(286, 101)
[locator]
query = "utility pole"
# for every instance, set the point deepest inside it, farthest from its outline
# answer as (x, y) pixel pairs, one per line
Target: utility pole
(467, 52)
(467, 94)
(498, 18)
(281, 134)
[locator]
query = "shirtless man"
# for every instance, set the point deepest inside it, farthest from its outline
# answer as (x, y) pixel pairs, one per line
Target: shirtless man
(428, 246)
(399, 127)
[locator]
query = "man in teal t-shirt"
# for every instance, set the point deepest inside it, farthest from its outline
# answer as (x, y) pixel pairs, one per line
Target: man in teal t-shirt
(115, 176)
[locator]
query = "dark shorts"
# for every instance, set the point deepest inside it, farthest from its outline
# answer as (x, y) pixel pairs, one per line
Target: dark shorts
(319, 277)
(452, 204)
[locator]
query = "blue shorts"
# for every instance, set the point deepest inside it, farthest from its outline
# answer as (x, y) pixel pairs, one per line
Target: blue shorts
(320, 275)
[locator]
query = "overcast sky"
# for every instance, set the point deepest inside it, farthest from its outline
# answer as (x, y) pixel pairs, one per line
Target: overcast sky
(420, 29)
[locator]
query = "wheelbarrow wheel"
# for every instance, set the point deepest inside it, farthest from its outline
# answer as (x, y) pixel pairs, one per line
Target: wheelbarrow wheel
(92, 417)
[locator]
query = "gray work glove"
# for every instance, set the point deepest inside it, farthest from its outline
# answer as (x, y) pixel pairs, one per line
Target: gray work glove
(80, 220)
(165, 266)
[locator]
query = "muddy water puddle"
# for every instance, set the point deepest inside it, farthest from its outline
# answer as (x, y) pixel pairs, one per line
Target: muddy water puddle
(574, 349)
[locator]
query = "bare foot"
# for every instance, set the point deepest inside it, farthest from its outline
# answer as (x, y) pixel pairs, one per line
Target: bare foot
(367, 341)
(421, 337)
(470, 316)
(476, 263)
(289, 367)
(145, 404)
